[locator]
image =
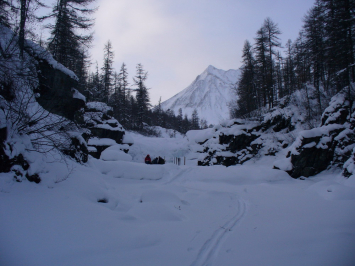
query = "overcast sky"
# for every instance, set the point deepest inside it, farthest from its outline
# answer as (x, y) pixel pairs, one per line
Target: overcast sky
(176, 40)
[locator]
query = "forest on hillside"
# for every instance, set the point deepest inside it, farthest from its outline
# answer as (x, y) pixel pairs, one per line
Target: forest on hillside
(319, 63)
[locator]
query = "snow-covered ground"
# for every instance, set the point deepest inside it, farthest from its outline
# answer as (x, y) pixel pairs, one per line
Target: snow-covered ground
(128, 213)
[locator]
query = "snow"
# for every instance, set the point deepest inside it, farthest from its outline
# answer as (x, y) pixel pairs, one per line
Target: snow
(199, 136)
(108, 127)
(99, 106)
(116, 212)
(127, 138)
(284, 164)
(101, 142)
(115, 155)
(78, 95)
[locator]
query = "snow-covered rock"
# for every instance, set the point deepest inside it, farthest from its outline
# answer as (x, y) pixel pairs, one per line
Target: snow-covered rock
(237, 141)
(210, 94)
(331, 144)
(104, 130)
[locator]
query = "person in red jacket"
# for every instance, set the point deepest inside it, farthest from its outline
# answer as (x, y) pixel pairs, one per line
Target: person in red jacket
(147, 159)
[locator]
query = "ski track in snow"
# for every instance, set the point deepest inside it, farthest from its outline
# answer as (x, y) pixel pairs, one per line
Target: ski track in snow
(178, 175)
(210, 248)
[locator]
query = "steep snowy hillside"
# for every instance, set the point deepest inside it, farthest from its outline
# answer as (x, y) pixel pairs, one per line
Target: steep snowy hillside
(210, 94)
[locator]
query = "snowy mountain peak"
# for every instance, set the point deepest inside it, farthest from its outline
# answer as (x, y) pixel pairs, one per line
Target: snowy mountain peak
(211, 69)
(210, 93)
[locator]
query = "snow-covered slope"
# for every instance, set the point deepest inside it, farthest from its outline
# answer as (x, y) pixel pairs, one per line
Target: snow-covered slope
(210, 94)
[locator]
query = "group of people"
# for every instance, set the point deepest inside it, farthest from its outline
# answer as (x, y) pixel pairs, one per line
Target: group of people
(157, 160)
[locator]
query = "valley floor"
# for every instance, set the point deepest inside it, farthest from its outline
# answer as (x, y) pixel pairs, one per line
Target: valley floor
(129, 213)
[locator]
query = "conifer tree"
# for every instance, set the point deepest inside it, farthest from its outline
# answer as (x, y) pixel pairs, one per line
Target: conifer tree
(94, 86)
(315, 42)
(339, 21)
(272, 41)
(107, 72)
(195, 120)
(179, 120)
(246, 89)
(26, 9)
(142, 96)
(67, 38)
(114, 99)
(289, 70)
(124, 91)
(159, 112)
(261, 65)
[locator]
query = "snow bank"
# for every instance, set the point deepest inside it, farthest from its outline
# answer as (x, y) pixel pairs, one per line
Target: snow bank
(99, 106)
(101, 142)
(115, 155)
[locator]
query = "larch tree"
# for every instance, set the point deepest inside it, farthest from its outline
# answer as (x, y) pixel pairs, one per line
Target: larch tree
(315, 42)
(195, 120)
(289, 70)
(67, 41)
(142, 96)
(107, 72)
(272, 41)
(26, 9)
(261, 65)
(246, 88)
(123, 97)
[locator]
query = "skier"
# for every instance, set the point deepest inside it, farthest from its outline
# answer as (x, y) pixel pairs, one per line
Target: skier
(147, 159)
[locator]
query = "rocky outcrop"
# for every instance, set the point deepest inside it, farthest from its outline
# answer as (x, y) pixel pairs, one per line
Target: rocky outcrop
(237, 141)
(105, 131)
(331, 144)
(57, 86)
(230, 145)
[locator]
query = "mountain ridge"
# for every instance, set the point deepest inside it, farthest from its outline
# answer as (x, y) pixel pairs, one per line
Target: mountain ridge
(210, 93)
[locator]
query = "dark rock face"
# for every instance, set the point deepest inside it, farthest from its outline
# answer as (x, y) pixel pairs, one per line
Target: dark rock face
(239, 142)
(311, 161)
(110, 133)
(56, 91)
(329, 145)
(278, 123)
